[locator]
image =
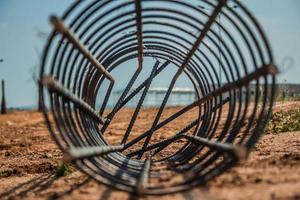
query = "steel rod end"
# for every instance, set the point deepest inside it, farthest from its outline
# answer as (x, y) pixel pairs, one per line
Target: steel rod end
(144, 176)
(273, 69)
(47, 81)
(240, 153)
(58, 24)
(67, 157)
(140, 189)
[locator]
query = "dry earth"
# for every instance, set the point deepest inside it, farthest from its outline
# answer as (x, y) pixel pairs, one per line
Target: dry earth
(28, 158)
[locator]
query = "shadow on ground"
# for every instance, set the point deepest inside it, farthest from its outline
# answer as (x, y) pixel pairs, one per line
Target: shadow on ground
(42, 185)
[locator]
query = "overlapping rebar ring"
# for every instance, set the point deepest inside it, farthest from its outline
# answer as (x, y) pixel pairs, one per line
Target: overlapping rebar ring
(220, 48)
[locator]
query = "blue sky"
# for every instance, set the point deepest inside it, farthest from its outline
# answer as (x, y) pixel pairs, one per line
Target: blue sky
(21, 20)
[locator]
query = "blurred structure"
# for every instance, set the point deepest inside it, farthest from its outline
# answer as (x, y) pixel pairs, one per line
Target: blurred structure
(178, 97)
(288, 90)
(3, 102)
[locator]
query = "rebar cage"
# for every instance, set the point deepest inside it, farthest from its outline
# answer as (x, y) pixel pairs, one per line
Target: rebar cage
(217, 45)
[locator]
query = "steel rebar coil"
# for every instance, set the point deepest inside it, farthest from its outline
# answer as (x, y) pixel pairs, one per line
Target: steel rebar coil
(217, 45)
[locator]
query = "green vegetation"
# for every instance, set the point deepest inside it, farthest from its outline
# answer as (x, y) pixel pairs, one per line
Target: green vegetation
(63, 170)
(8, 172)
(284, 121)
(281, 98)
(4, 174)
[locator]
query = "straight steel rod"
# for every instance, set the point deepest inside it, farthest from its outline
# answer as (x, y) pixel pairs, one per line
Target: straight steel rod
(139, 105)
(107, 95)
(111, 115)
(142, 85)
(163, 143)
(55, 86)
(65, 31)
(204, 32)
(191, 125)
(263, 71)
(138, 17)
(196, 45)
(79, 153)
(238, 151)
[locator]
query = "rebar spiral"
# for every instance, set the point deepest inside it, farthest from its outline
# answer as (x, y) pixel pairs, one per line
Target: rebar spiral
(220, 48)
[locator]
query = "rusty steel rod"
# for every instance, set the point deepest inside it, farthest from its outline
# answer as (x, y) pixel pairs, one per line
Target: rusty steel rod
(55, 86)
(238, 151)
(139, 105)
(78, 153)
(139, 31)
(65, 31)
(142, 85)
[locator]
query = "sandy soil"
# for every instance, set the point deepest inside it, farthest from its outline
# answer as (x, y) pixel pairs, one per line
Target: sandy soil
(28, 158)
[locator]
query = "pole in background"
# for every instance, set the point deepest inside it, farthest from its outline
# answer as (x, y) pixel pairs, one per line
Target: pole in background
(3, 102)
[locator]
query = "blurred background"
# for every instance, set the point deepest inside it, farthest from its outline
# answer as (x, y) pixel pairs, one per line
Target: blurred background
(24, 28)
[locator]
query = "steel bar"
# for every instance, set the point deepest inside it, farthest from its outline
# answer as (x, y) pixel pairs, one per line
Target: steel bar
(238, 151)
(139, 105)
(120, 100)
(142, 85)
(79, 153)
(203, 32)
(139, 31)
(161, 144)
(106, 98)
(54, 86)
(60, 27)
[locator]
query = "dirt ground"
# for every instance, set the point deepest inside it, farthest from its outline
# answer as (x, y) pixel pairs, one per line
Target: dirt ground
(28, 158)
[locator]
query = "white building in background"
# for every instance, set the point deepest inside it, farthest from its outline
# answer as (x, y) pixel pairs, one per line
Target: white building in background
(155, 96)
(184, 96)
